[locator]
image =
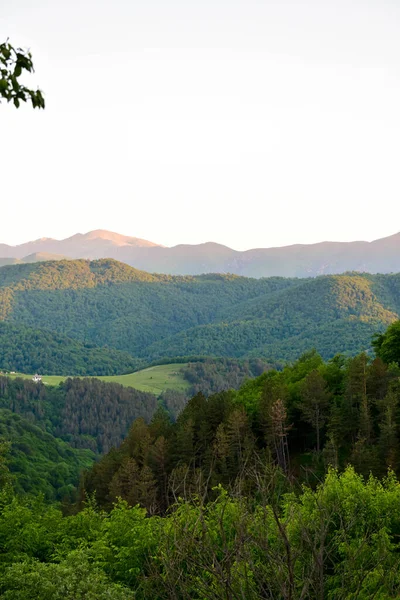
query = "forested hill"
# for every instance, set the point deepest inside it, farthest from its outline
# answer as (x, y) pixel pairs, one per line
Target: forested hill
(86, 413)
(109, 305)
(40, 462)
(27, 350)
(304, 418)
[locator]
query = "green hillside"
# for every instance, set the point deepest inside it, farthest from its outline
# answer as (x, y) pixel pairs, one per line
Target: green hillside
(204, 374)
(279, 490)
(154, 380)
(333, 313)
(39, 462)
(108, 306)
(24, 349)
(86, 413)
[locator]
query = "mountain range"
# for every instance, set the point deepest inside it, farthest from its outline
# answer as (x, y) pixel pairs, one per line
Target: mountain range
(298, 260)
(102, 317)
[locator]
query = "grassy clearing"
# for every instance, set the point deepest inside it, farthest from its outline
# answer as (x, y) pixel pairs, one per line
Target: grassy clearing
(153, 379)
(47, 379)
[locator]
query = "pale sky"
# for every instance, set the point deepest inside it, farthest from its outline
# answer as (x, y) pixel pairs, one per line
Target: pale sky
(246, 122)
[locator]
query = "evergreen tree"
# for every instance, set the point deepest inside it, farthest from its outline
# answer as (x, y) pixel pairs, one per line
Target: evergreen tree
(314, 404)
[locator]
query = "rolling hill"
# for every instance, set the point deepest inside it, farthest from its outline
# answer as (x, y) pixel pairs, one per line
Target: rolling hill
(78, 310)
(29, 350)
(40, 462)
(298, 260)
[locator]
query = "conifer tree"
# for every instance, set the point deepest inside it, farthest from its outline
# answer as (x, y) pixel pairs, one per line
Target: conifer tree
(314, 404)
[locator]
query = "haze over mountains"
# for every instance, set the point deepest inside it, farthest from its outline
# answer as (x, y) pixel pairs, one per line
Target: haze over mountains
(298, 260)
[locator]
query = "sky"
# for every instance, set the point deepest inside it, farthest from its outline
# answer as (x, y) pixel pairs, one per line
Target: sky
(252, 123)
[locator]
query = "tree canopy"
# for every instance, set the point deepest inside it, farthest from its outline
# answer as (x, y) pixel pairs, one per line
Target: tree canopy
(387, 344)
(157, 318)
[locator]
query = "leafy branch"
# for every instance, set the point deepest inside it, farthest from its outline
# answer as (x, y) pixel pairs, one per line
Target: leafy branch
(12, 64)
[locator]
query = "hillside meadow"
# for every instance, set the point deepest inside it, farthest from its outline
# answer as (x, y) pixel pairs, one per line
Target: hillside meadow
(154, 380)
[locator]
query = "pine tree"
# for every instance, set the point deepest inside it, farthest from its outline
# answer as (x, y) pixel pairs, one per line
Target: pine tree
(388, 430)
(358, 415)
(314, 404)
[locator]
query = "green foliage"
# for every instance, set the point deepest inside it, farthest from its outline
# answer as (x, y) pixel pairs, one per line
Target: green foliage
(337, 541)
(210, 506)
(210, 376)
(27, 350)
(39, 462)
(387, 345)
(158, 317)
(86, 413)
(179, 379)
(302, 419)
(13, 62)
(71, 579)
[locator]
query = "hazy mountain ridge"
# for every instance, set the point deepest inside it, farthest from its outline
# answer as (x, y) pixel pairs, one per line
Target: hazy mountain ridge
(93, 244)
(298, 260)
(32, 258)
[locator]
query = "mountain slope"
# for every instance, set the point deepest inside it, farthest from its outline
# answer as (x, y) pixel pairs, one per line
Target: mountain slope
(298, 260)
(42, 257)
(27, 350)
(94, 244)
(113, 307)
(9, 261)
(87, 413)
(39, 462)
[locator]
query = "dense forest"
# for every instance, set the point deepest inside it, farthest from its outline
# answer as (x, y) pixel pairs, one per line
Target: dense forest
(220, 374)
(337, 541)
(86, 413)
(109, 305)
(39, 462)
(27, 350)
(308, 416)
(284, 489)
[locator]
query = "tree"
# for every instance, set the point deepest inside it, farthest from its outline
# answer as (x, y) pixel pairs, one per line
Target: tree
(12, 64)
(387, 345)
(358, 404)
(72, 579)
(388, 440)
(314, 403)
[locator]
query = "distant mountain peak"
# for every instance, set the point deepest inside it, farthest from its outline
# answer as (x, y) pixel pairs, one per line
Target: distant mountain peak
(117, 239)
